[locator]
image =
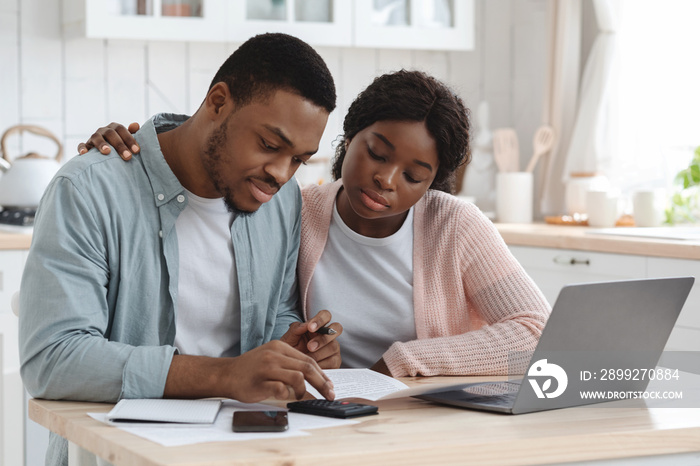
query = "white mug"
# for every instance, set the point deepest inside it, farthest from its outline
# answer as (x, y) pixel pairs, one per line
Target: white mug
(602, 208)
(514, 197)
(648, 208)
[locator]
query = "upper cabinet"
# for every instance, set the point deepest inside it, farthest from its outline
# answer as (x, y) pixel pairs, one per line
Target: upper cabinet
(318, 22)
(182, 20)
(408, 24)
(415, 24)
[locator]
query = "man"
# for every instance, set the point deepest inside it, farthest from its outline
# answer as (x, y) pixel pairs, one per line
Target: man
(192, 245)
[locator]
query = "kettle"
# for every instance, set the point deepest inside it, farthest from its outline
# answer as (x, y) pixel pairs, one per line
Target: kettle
(24, 180)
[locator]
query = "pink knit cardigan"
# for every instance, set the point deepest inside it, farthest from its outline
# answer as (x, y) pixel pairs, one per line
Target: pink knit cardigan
(473, 303)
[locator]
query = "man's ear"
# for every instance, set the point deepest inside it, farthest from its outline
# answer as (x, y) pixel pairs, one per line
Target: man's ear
(218, 100)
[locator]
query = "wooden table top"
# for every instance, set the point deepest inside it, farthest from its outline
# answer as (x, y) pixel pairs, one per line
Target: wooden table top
(407, 431)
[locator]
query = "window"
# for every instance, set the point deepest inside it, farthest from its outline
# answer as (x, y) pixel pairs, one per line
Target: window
(655, 97)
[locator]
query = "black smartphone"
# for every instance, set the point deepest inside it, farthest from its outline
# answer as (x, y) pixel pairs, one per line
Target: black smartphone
(260, 421)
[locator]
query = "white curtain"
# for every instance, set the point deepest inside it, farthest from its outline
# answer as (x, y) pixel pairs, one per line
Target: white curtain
(590, 149)
(561, 92)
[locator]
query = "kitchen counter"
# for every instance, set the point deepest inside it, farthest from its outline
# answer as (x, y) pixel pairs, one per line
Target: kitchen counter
(587, 239)
(537, 235)
(14, 240)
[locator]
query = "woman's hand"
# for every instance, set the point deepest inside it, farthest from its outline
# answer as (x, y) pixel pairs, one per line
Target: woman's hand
(116, 135)
(322, 348)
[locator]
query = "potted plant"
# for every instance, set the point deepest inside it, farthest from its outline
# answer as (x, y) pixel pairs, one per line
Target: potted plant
(684, 205)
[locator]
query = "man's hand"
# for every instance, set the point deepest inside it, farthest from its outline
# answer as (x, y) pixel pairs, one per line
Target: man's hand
(116, 135)
(322, 348)
(272, 370)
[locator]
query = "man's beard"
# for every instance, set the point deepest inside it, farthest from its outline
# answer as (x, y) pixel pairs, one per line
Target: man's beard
(214, 167)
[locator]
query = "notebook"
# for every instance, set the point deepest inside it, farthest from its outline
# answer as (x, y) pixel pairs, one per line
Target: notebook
(165, 410)
(600, 337)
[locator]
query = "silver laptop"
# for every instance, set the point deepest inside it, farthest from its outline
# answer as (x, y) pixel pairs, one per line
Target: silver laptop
(600, 337)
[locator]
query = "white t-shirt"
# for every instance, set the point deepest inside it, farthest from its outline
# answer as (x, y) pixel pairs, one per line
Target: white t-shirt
(208, 318)
(374, 275)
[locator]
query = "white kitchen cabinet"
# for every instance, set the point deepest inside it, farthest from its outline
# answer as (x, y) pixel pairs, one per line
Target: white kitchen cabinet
(406, 24)
(318, 22)
(686, 333)
(11, 266)
(179, 20)
(12, 419)
(552, 268)
(415, 24)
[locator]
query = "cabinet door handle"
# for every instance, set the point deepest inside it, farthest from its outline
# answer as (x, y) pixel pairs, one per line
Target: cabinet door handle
(563, 260)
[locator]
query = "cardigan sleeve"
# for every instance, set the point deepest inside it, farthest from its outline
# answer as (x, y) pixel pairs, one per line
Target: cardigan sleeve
(483, 313)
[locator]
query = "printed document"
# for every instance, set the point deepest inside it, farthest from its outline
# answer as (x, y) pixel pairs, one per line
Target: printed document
(373, 386)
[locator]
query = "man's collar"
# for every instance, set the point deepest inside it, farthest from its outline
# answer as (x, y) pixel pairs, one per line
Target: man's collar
(163, 181)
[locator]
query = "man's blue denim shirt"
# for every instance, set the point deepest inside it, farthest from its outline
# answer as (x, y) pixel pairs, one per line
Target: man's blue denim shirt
(98, 294)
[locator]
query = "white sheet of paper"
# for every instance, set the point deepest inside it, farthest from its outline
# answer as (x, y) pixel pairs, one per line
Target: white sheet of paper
(221, 431)
(373, 386)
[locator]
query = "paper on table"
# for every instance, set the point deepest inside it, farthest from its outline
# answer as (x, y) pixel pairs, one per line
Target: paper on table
(373, 386)
(187, 434)
(166, 410)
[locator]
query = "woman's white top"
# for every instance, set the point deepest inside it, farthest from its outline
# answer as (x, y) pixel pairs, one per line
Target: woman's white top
(370, 277)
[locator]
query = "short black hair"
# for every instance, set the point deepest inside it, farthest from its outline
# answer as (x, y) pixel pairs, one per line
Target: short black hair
(413, 96)
(270, 62)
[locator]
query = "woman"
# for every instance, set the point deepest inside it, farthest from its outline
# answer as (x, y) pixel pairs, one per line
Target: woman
(421, 281)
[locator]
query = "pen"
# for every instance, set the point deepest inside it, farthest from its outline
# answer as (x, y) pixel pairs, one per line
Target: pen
(326, 331)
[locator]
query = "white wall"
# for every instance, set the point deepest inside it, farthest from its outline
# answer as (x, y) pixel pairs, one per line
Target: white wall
(73, 86)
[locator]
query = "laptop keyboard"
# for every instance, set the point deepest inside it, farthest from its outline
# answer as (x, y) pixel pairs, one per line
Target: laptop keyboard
(493, 393)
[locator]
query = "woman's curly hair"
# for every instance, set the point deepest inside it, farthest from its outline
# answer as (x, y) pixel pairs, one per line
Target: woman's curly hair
(413, 96)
